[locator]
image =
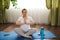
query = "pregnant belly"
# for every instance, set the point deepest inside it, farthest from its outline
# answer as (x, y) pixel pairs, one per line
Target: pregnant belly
(25, 27)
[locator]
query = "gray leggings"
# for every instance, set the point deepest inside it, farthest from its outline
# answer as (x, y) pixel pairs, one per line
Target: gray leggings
(20, 32)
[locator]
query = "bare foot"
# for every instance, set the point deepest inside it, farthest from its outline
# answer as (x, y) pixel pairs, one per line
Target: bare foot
(28, 37)
(19, 36)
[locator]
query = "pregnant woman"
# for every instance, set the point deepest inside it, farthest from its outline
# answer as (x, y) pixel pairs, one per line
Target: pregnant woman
(25, 21)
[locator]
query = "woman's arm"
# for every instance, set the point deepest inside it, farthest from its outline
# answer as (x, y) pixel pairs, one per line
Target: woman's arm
(32, 22)
(18, 23)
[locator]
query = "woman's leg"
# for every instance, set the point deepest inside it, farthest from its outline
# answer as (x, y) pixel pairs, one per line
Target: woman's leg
(31, 31)
(20, 32)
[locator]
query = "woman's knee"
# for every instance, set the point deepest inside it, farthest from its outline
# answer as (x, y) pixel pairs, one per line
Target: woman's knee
(33, 30)
(17, 29)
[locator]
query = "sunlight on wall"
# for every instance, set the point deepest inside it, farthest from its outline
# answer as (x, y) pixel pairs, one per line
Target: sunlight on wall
(36, 8)
(31, 3)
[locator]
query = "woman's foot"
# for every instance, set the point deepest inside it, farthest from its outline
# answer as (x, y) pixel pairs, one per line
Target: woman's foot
(28, 37)
(19, 36)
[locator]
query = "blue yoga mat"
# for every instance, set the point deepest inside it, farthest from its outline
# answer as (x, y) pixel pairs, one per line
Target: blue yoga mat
(47, 34)
(13, 36)
(10, 36)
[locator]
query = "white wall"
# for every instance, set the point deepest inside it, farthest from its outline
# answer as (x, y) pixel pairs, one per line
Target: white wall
(36, 8)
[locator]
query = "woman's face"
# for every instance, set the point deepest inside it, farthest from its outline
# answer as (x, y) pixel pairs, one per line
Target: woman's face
(24, 13)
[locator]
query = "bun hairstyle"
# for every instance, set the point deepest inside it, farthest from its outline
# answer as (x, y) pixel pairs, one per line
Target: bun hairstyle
(23, 9)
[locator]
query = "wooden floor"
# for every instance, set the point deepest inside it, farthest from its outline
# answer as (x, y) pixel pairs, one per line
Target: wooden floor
(10, 27)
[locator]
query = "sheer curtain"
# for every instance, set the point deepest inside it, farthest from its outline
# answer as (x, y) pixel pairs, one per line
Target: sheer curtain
(36, 8)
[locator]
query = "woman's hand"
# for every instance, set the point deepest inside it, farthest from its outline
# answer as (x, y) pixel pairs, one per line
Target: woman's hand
(25, 21)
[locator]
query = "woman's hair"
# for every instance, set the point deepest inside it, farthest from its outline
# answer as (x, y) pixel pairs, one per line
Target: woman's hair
(23, 9)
